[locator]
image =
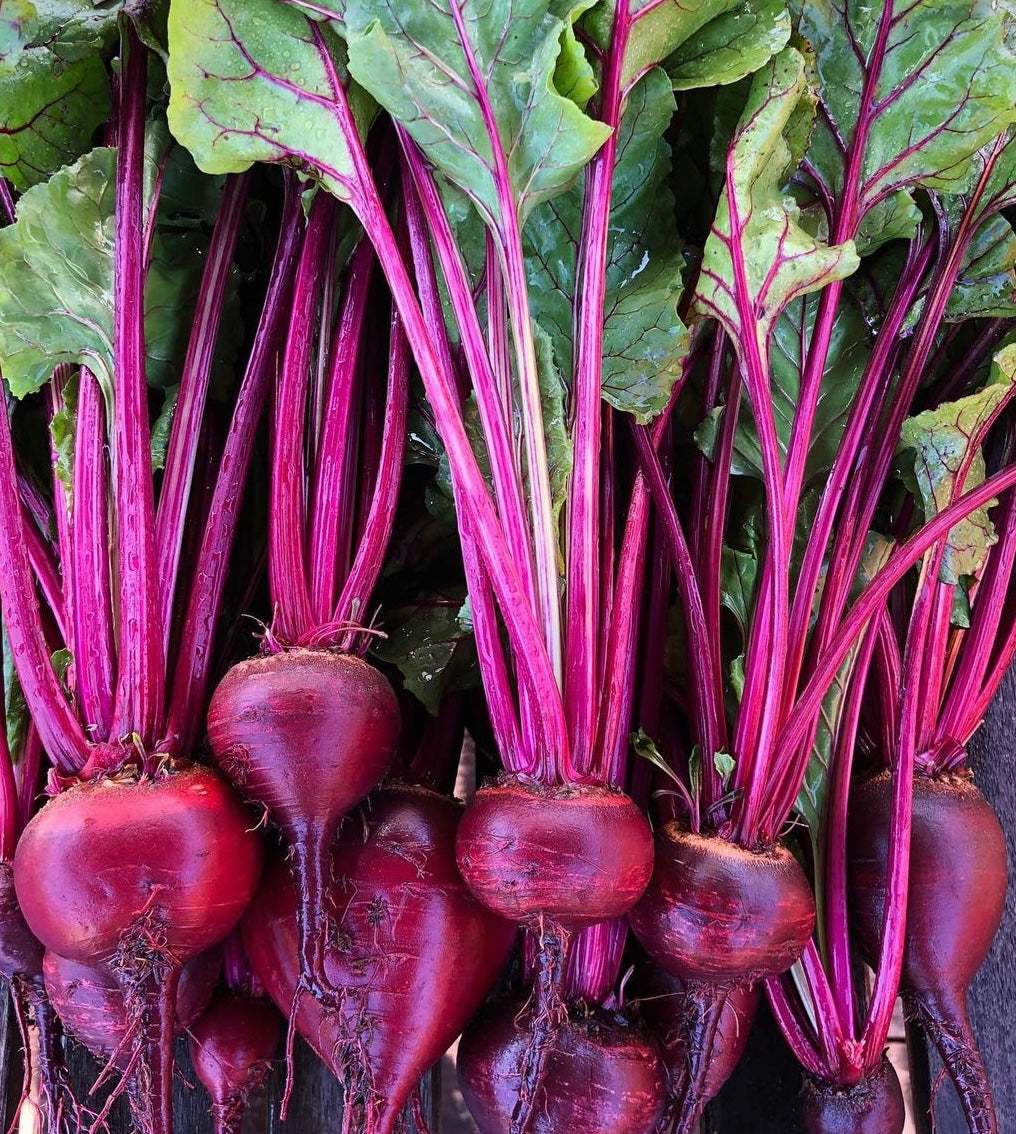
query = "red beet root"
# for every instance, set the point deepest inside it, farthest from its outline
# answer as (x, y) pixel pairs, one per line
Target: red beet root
(719, 917)
(715, 912)
(664, 1008)
(574, 855)
(307, 734)
(90, 1002)
(20, 950)
(232, 1047)
(956, 898)
(412, 951)
(141, 875)
(873, 1106)
(598, 1075)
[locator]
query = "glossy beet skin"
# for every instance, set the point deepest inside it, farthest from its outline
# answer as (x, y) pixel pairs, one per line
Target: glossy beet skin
(873, 1106)
(575, 855)
(305, 734)
(717, 913)
(116, 858)
(232, 1046)
(662, 1004)
(413, 951)
(599, 1075)
(958, 877)
(90, 1002)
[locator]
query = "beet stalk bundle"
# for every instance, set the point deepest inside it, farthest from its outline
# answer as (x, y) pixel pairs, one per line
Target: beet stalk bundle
(123, 595)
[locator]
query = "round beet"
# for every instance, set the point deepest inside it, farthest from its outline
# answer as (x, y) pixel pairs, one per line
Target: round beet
(575, 855)
(958, 877)
(305, 734)
(597, 1073)
(140, 875)
(232, 1046)
(411, 949)
(20, 950)
(90, 1001)
(873, 1106)
(717, 913)
(164, 865)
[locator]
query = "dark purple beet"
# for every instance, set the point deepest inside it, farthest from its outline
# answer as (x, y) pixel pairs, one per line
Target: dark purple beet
(663, 1005)
(232, 1045)
(305, 734)
(719, 917)
(20, 950)
(413, 952)
(574, 855)
(598, 1074)
(872, 1106)
(958, 877)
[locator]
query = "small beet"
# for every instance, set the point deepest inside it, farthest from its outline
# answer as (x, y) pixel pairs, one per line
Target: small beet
(663, 1006)
(598, 1074)
(90, 1001)
(232, 1046)
(575, 855)
(306, 734)
(872, 1106)
(414, 953)
(20, 950)
(958, 878)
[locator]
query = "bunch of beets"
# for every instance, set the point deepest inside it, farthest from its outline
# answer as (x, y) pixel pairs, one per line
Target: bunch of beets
(617, 392)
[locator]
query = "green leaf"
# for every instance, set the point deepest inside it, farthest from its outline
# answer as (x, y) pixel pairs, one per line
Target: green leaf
(56, 283)
(724, 764)
(986, 285)
(849, 351)
(895, 218)
(738, 579)
(417, 62)
(758, 258)
(54, 90)
(48, 314)
(251, 80)
(161, 428)
(430, 648)
(946, 86)
(735, 44)
(14, 703)
(644, 341)
(574, 76)
(62, 428)
(936, 445)
(643, 745)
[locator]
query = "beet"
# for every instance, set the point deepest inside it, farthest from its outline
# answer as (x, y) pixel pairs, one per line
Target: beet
(715, 912)
(719, 917)
(140, 874)
(872, 1106)
(958, 876)
(663, 1005)
(306, 734)
(232, 1046)
(599, 1074)
(411, 949)
(576, 855)
(20, 950)
(90, 1001)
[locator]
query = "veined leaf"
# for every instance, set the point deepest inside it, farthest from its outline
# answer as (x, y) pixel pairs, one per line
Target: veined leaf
(733, 45)
(254, 80)
(936, 446)
(758, 259)
(451, 70)
(986, 285)
(943, 86)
